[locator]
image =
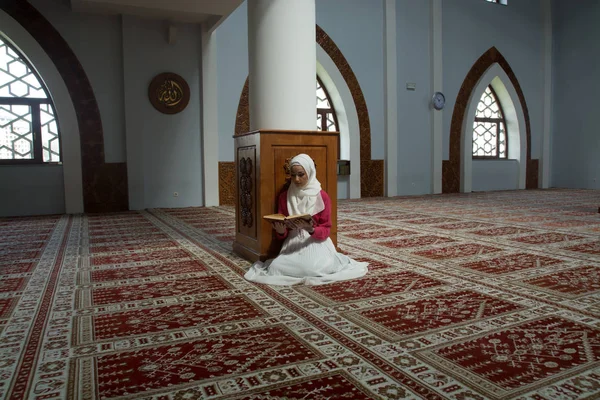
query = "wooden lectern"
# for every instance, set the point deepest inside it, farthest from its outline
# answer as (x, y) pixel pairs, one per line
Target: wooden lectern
(260, 160)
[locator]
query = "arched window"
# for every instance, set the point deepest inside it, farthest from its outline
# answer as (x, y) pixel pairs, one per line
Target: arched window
(326, 118)
(28, 126)
(489, 128)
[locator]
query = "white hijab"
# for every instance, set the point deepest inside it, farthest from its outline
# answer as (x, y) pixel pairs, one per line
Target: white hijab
(307, 199)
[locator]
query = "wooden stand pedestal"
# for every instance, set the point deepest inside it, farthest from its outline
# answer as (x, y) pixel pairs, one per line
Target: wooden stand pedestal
(260, 160)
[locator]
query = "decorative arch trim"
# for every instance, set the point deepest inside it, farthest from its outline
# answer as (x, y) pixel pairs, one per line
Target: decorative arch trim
(104, 185)
(514, 119)
(371, 171)
(451, 173)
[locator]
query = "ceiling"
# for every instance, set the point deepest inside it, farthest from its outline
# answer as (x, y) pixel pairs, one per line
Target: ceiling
(190, 11)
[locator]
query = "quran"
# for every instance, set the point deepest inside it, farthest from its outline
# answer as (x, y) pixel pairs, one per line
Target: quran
(283, 218)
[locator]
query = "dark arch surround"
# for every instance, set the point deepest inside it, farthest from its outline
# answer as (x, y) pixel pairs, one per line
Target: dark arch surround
(451, 175)
(371, 171)
(104, 185)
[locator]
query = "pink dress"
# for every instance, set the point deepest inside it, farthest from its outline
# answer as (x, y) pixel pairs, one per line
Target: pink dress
(305, 258)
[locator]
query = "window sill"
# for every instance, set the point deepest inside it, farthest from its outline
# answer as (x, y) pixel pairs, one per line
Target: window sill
(28, 164)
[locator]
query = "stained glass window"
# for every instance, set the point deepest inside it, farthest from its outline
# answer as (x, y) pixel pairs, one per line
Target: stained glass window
(489, 127)
(28, 126)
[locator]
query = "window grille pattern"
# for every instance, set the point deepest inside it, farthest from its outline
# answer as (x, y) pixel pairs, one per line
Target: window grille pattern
(28, 125)
(16, 140)
(326, 118)
(489, 128)
(50, 136)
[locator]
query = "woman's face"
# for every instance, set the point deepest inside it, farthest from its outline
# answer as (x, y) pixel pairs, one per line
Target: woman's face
(299, 176)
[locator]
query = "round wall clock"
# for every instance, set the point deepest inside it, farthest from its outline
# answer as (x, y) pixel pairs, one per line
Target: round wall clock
(438, 100)
(169, 93)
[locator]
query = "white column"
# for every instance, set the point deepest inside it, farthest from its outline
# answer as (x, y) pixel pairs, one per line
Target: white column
(547, 122)
(437, 132)
(210, 125)
(391, 100)
(282, 64)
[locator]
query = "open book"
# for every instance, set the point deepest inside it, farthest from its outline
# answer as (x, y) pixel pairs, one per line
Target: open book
(283, 218)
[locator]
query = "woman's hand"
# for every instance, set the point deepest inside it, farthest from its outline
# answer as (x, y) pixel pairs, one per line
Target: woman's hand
(279, 227)
(302, 224)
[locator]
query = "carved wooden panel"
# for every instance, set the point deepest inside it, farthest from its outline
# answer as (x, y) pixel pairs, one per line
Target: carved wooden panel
(246, 180)
(245, 192)
(450, 177)
(227, 183)
(533, 170)
(371, 178)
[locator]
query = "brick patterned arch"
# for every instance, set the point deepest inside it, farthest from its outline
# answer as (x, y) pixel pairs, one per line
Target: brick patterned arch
(104, 185)
(451, 175)
(371, 171)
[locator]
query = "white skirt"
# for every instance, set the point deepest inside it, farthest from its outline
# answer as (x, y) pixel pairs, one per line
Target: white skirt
(304, 260)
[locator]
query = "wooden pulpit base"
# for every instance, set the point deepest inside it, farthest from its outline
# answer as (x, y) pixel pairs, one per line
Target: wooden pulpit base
(260, 160)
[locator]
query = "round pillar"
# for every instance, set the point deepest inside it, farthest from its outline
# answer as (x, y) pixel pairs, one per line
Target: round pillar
(282, 64)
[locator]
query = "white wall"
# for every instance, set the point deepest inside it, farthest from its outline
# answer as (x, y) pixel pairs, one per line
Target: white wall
(120, 56)
(576, 136)
(470, 28)
(96, 41)
(495, 175)
(51, 188)
(163, 151)
(232, 66)
(356, 27)
(31, 190)
(414, 115)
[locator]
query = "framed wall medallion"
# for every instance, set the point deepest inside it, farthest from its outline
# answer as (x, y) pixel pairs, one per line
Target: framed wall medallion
(169, 93)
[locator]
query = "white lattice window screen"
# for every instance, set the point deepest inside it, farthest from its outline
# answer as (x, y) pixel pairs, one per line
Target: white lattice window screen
(326, 119)
(28, 126)
(489, 128)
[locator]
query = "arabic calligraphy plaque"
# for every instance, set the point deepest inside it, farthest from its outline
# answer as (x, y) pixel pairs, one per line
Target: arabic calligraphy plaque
(169, 93)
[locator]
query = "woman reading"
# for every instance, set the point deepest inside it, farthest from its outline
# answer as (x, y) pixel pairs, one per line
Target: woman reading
(308, 255)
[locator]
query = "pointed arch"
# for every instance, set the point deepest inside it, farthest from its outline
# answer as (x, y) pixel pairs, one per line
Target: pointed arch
(453, 168)
(514, 115)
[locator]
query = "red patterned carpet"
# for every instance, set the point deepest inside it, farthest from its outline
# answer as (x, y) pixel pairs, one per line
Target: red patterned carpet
(480, 296)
